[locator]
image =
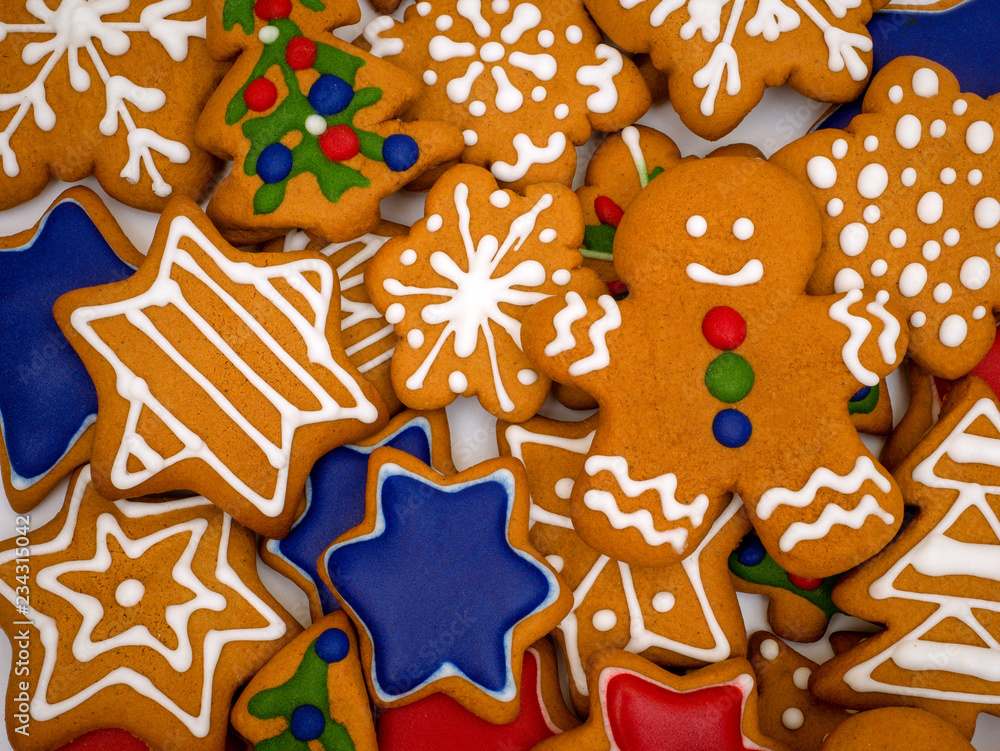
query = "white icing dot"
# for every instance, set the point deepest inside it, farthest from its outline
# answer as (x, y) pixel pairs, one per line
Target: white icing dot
(492, 52)
(975, 177)
(871, 214)
(853, 238)
(395, 313)
(434, 222)
(909, 177)
(316, 124)
(879, 268)
(987, 213)
(839, 149)
(457, 382)
(769, 649)
(960, 107)
(979, 137)
(564, 487)
(561, 111)
(697, 226)
(925, 83)
(792, 718)
(477, 108)
(471, 137)
(443, 23)
(423, 9)
(801, 678)
(846, 280)
(408, 257)
(896, 94)
(951, 237)
(538, 94)
(953, 331)
(975, 273)
(908, 131)
(500, 6)
(546, 38)
(912, 280)
(556, 562)
(269, 34)
(500, 199)
(527, 376)
(938, 128)
(942, 293)
(574, 34)
(821, 172)
(605, 620)
(931, 250)
(918, 319)
(415, 338)
(948, 176)
(871, 144)
(430, 77)
(663, 602)
(873, 181)
(547, 235)
(979, 312)
(561, 277)
(835, 207)
(130, 592)
(930, 207)
(743, 229)
(897, 238)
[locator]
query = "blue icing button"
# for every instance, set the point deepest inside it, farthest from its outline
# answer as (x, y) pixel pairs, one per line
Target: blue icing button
(437, 585)
(862, 393)
(47, 398)
(732, 428)
(335, 501)
(330, 95)
(275, 163)
(307, 723)
(400, 152)
(751, 551)
(332, 645)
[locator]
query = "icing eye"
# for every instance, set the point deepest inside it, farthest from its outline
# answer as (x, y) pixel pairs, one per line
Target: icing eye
(696, 226)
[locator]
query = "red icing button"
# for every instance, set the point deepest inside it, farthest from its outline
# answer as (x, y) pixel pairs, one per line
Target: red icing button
(617, 287)
(802, 583)
(724, 328)
(260, 95)
(268, 10)
(106, 740)
(608, 211)
(300, 53)
(339, 143)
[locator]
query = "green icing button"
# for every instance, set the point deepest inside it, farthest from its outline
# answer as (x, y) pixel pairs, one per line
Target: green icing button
(729, 378)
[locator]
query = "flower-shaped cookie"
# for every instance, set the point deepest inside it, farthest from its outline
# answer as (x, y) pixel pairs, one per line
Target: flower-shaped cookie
(457, 287)
(910, 193)
(525, 81)
(719, 374)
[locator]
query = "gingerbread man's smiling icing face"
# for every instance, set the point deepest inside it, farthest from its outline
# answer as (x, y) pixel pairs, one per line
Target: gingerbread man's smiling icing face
(718, 374)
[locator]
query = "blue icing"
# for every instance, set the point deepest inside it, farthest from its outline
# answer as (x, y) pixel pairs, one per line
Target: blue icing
(332, 645)
(308, 723)
(335, 498)
(964, 39)
(46, 396)
(437, 585)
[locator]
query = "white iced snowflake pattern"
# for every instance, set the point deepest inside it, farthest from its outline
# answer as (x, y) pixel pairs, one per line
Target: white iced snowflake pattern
(76, 26)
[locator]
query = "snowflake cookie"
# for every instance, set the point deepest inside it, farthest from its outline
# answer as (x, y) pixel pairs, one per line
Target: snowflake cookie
(525, 81)
(218, 371)
(457, 287)
(719, 55)
(910, 198)
(714, 366)
(309, 122)
(147, 614)
(105, 87)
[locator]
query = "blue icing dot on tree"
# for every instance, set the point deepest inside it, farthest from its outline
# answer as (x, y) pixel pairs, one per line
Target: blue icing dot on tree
(274, 163)
(400, 152)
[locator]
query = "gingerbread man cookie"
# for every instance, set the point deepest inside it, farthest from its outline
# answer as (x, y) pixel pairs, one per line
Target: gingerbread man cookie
(707, 405)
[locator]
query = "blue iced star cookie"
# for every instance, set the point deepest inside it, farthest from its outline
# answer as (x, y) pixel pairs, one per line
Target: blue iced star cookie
(335, 498)
(47, 400)
(443, 585)
(964, 39)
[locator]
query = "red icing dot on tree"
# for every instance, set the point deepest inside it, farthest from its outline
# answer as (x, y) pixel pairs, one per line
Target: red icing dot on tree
(260, 95)
(300, 53)
(724, 328)
(339, 143)
(608, 211)
(267, 10)
(801, 583)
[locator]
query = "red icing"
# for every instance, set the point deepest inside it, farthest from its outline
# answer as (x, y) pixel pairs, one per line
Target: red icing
(617, 287)
(300, 53)
(339, 143)
(106, 740)
(439, 723)
(724, 328)
(608, 211)
(803, 583)
(646, 716)
(260, 95)
(268, 10)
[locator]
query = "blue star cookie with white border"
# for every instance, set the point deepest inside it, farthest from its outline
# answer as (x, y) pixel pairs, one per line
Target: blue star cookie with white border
(47, 401)
(335, 499)
(443, 585)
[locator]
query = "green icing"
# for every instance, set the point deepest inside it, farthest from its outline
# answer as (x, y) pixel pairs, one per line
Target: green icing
(729, 378)
(866, 405)
(307, 686)
(657, 171)
(597, 241)
(770, 574)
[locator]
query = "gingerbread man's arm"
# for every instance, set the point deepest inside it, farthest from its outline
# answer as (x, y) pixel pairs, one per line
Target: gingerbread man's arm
(570, 339)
